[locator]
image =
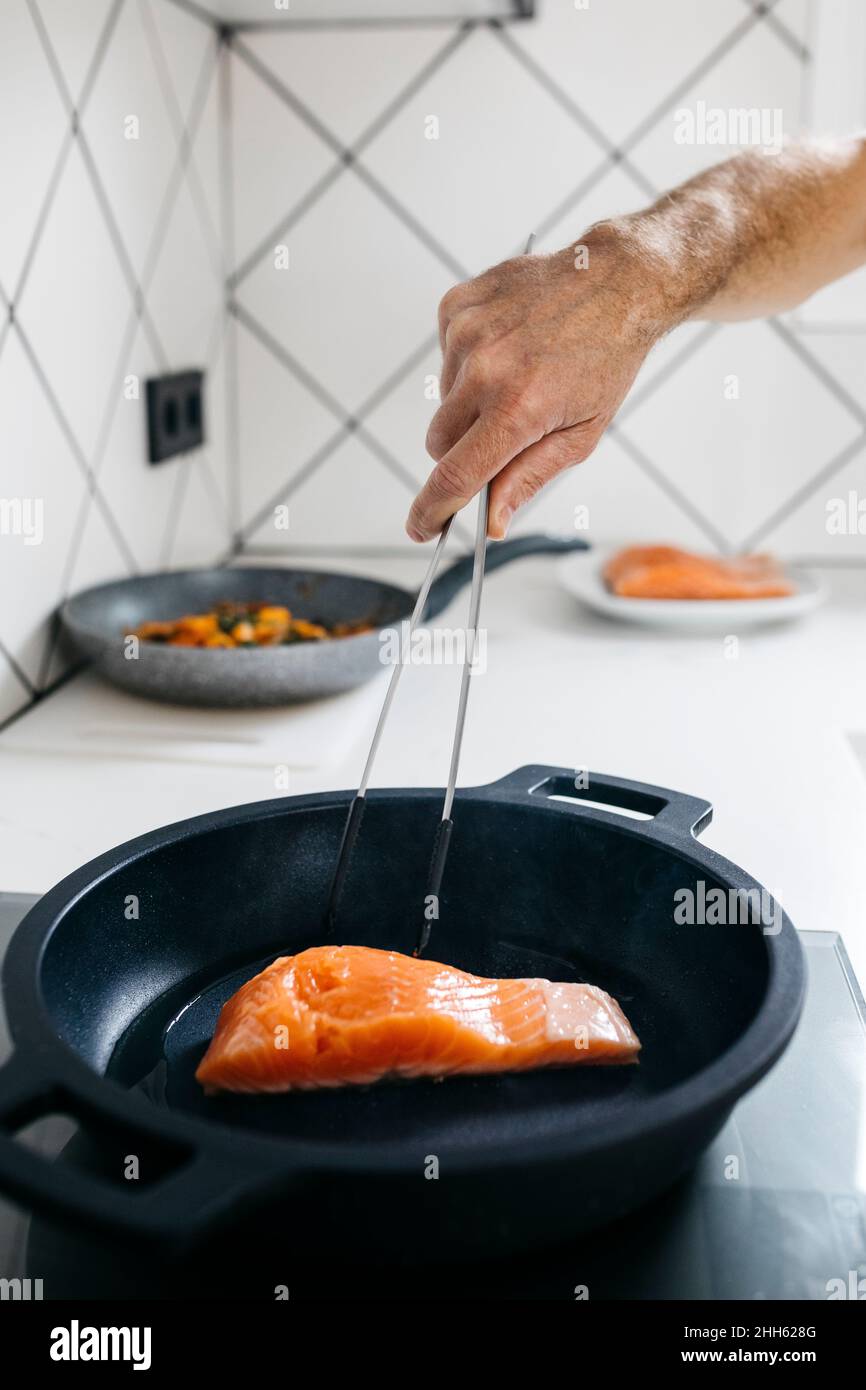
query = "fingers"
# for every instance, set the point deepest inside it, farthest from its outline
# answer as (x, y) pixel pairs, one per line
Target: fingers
(451, 364)
(490, 443)
(495, 402)
(528, 473)
(447, 309)
(457, 413)
(462, 321)
(457, 302)
(462, 334)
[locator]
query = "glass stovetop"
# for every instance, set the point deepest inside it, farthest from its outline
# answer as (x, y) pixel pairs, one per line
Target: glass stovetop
(776, 1208)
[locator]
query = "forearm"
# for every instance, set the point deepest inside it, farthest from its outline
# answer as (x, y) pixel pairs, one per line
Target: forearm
(540, 352)
(753, 236)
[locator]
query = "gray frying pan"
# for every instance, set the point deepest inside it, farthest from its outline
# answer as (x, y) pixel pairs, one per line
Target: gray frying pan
(97, 620)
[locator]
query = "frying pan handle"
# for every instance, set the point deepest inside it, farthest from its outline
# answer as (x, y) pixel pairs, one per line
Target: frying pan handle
(181, 1192)
(452, 580)
(671, 813)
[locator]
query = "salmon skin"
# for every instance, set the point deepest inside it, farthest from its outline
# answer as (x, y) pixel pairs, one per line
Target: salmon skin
(350, 1015)
(664, 572)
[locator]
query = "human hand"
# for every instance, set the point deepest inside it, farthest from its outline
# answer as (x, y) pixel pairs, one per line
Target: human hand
(538, 354)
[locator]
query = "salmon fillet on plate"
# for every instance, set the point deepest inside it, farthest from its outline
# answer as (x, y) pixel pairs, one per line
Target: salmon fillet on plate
(664, 572)
(350, 1015)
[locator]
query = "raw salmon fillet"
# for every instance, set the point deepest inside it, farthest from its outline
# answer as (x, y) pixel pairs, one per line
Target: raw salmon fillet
(663, 571)
(349, 1015)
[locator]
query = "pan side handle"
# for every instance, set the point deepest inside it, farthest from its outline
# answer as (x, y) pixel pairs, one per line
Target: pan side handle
(458, 575)
(181, 1192)
(660, 808)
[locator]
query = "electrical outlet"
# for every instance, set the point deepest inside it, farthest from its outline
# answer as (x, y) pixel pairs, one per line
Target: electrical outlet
(175, 414)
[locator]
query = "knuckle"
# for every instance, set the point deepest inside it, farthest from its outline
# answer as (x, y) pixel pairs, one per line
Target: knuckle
(564, 450)
(462, 331)
(446, 482)
(533, 480)
(433, 442)
(450, 300)
(482, 369)
(450, 304)
(514, 414)
(587, 445)
(579, 442)
(534, 403)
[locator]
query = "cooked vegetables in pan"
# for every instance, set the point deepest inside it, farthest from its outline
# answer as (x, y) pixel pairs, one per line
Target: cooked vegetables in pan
(244, 625)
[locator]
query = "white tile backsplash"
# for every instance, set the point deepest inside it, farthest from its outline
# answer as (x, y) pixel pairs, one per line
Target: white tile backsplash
(830, 520)
(199, 521)
(358, 296)
(75, 32)
(276, 158)
(348, 76)
(38, 465)
(96, 221)
(281, 426)
(187, 47)
(77, 303)
(14, 694)
(134, 161)
(710, 427)
(758, 73)
(610, 192)
(206, 159)
(138, 495)
(620, 60)
(842, 353)
(185, 292)
(27, 86)
(505, 154)
(373, 502)
(400, 421)
(318, 389)
(620, 500)
(529, 118)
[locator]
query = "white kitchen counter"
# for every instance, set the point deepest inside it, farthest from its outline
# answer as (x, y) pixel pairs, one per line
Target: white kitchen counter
(764, 738)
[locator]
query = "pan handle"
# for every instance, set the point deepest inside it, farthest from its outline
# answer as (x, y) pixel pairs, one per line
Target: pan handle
(666, 811)
(182, 1192)
(458, 575)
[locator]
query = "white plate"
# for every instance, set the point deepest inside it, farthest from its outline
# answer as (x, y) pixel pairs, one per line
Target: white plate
(581, 575)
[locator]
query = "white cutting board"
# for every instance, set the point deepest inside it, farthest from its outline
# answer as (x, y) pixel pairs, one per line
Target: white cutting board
(88, 715)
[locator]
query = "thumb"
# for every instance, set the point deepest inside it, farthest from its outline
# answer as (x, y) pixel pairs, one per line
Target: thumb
(530, 470)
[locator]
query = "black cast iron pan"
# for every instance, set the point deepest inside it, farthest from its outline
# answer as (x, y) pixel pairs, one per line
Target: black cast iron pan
(96, 621)
(110, 1014)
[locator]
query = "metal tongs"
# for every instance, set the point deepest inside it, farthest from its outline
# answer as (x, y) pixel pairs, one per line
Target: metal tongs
(442, 839)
